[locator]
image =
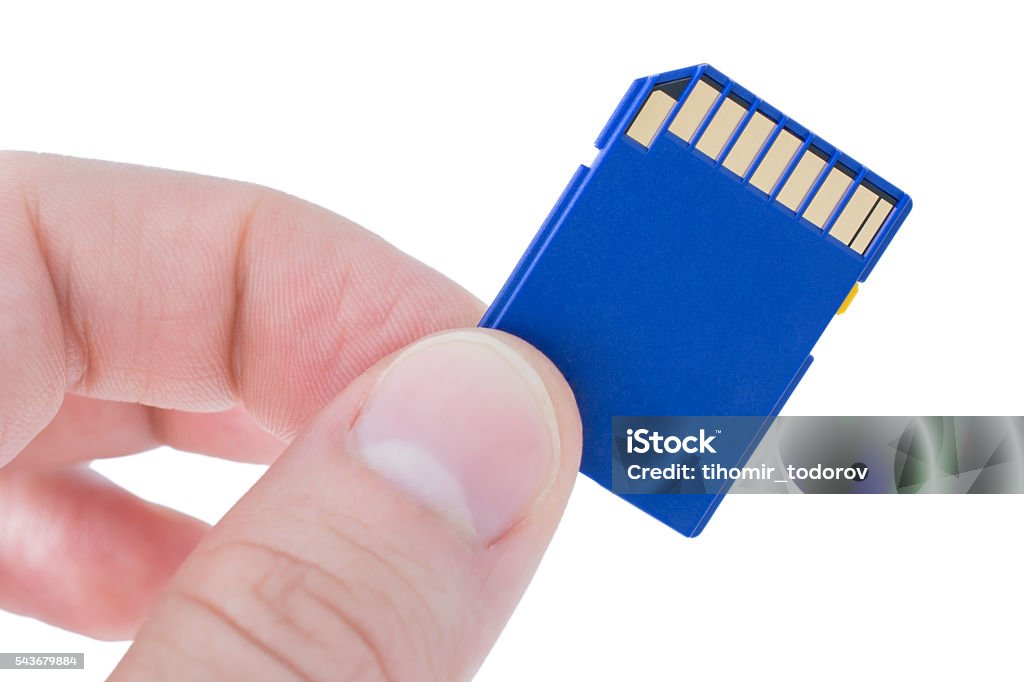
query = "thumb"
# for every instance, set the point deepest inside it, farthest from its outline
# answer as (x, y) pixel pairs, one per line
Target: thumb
(393, 538)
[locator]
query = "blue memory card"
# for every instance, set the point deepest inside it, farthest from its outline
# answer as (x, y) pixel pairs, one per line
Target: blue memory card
(691, 269)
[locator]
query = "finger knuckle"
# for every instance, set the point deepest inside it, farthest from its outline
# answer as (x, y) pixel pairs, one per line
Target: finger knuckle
(361, 619)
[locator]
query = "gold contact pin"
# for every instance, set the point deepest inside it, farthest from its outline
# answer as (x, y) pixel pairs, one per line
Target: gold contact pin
(871, 226)
(775, 161)
(693, 111)
(650, 118)
(750, 141)
(861, 218)
(720, 129)
(827, 197)
(807, 170)
(854, 214)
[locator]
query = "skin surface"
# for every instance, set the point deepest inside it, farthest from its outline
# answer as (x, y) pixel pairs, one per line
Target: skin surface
(141, 307)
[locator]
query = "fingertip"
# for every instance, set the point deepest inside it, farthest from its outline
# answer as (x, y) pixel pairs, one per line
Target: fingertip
(474, 424)
(79, 552)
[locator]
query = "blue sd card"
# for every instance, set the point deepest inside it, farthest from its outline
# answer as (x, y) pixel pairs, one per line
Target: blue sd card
(691, 269)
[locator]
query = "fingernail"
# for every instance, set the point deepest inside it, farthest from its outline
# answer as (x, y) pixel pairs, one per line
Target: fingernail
(464, 424)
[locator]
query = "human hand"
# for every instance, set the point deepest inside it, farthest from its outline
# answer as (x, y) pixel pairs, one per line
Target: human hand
(418, 485)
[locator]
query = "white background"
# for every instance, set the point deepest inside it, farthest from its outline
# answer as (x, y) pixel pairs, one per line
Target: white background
(450, 130)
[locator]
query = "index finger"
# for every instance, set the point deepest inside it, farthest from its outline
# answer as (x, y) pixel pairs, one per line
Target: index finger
(187, 292)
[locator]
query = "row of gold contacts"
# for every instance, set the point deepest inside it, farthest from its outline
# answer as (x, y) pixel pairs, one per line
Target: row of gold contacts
(763, 150)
